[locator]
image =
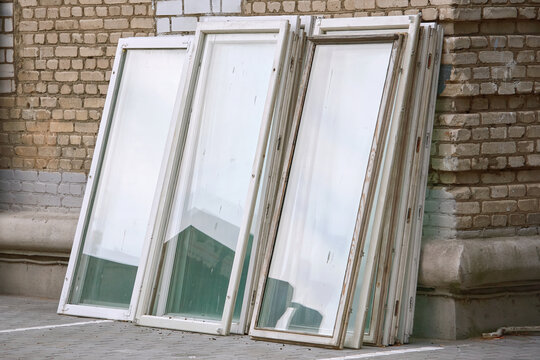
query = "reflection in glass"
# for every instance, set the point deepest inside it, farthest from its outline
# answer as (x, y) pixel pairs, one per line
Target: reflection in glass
(319, 212)
(212, 189)
(208, 264)
(128, 177)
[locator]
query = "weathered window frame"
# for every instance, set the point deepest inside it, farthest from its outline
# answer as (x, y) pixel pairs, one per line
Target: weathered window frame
(336, 340)
(225, 326)
(301, 26)
(390, 325)
(407, 275)
(370, 25)
(410, 26)
(124, 45)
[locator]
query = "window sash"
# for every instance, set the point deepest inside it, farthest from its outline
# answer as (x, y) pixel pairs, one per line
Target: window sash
(124, 46)
(336, 340)
(375, 250)
(222, 327)
(406, 276)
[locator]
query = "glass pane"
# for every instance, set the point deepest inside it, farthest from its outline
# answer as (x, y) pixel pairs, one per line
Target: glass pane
(214, 177)
(320, 207)
(127, 181)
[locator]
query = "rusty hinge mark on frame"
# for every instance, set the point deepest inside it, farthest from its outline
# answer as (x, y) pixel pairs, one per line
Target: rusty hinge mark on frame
(253, 295)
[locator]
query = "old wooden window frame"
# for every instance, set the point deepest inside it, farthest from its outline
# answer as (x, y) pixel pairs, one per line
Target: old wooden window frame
(401, 327)
(301, 26)
(170, 173)
(390, 325)
(124, 45)
(401, 24)
(337, 338)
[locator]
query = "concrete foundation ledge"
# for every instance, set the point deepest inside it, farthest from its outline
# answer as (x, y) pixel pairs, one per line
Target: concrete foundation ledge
(40, 232)
(471, 286)
(34, 251)
(462, 265)
(453, 317)
(29, 277)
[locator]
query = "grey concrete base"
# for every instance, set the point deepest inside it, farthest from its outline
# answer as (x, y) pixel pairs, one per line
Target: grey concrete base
(477, 285)
(37, 231)
(19, 278)
(34, 250)
(468, 264)
(452, 317)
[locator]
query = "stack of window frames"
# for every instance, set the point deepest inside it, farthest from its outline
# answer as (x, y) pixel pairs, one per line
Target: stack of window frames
(305, 201)
(389, 214)
(387, 289)
(404, 275)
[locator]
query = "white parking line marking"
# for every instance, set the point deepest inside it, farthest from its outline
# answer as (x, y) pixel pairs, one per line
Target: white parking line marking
(56, 326)
(386, 353)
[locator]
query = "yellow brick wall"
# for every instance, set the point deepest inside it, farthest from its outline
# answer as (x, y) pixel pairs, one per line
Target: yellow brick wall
(485, 168)
(64, 53)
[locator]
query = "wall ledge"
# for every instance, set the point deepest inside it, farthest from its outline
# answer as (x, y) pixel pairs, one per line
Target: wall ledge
(467, 264)
(37, 231)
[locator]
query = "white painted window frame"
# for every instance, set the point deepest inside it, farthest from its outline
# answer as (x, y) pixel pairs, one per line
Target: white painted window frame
(377, 25)
(124, 45)
(395, 323)
(338, 336)
(302, 25)
(397, 241)
(403, 329)
(170, 174)
(285, 108)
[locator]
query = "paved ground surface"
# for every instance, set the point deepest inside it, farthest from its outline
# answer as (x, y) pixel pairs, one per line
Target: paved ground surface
(29, 330)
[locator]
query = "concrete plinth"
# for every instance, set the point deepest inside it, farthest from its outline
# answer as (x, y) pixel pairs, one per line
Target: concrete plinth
(471, 286)
(34, 251)
(31, 279)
